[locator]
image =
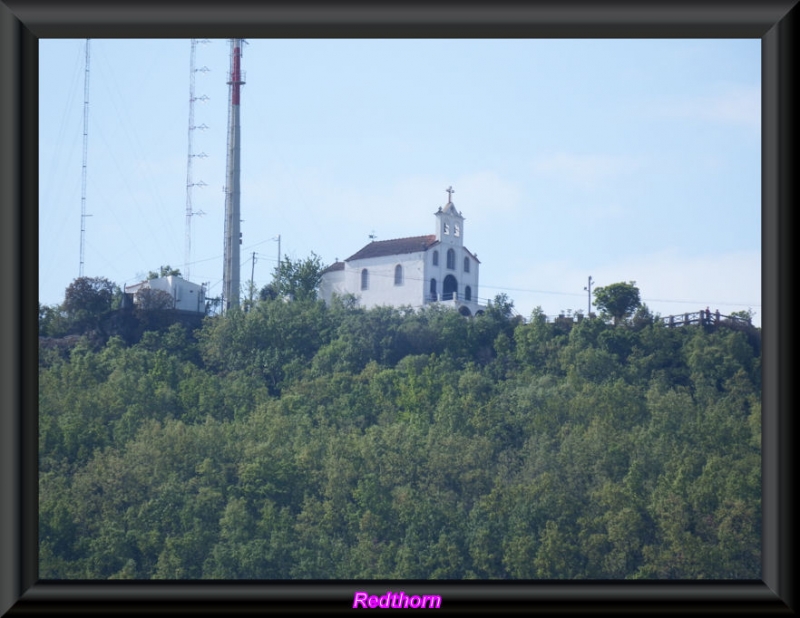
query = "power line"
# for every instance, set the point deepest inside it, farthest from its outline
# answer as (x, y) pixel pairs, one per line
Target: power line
(483, 286)
(652, 300)
(551, 292)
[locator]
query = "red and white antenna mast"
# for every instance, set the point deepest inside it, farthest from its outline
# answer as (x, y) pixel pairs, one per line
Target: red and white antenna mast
(230, 277)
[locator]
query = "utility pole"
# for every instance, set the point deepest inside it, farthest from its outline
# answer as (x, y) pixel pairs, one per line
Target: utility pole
(252, 273)
(278, 267)
(233, 236)
(588, 288)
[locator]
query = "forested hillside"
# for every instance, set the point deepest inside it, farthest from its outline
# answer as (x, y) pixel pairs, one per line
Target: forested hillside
(296, 440)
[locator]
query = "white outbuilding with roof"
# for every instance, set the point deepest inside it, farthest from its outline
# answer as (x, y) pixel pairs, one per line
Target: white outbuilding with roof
(414, 271)
(186, 296)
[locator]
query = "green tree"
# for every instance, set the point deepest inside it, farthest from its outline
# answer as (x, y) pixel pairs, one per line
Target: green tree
(276, 340)
(619, 300)
(268, 292)
(501, 308)
(87, 300)
(643, 317)
(746, 314)
(164, 271)
(153, 300)
(299, 279)
(52, 322)
(153, 309)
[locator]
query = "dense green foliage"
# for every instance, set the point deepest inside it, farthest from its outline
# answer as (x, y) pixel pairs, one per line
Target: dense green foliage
(87, 301)
(95, 308)
(298, 279)
(619, 300)
(296, 440)
(164, 271)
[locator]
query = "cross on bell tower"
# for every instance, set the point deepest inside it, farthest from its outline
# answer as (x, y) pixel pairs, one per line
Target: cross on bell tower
(449, 222)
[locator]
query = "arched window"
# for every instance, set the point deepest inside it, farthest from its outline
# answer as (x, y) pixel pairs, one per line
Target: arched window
(456, 230)
(451, 259)
(398, 275)
(467, 293)
(446, 228)
(433, 290)
(364, 279)
(466, 264)
(435, 258)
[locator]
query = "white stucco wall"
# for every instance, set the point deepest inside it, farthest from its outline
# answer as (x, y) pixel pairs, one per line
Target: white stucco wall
(381, 288)
(418, 269)
(463, 279)
(187, 296)
(332, 282)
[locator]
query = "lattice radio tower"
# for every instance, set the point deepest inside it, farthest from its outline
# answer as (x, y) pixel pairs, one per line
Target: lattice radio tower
(85, 155)
(190, 182)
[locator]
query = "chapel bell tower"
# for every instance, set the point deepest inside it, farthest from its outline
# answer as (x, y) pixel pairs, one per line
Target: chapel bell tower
(449, 223)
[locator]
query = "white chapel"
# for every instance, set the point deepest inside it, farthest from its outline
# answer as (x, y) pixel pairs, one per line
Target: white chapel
(415, 271)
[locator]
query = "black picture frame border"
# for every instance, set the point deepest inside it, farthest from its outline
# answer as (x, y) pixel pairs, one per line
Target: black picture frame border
(23, 22)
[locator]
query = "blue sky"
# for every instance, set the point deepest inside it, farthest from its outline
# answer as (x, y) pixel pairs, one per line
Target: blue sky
(623, 160)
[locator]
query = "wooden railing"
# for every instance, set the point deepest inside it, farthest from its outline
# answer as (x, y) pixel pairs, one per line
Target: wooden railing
(704, 317)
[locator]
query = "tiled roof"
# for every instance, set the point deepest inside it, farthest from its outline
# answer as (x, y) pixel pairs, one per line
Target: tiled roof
(333, 267)
(396, 246)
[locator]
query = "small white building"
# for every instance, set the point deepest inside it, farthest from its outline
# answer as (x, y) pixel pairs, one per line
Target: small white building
(186, 296)
(414, 271)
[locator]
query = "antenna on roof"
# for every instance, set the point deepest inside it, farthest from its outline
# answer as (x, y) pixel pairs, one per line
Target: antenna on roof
(372, 235)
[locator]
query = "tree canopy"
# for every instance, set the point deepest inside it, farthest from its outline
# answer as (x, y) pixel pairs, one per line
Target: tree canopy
(87, 300)
(164, 271)
(619, 300)
(299, 440)
(90, 294)
(298, 279)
